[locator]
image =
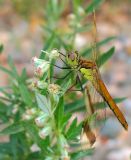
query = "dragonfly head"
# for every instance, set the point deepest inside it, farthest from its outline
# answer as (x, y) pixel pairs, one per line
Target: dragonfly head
(73, 59)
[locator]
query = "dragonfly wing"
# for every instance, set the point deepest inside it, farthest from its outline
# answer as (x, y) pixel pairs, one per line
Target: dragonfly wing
(102, 90)
(93, 116)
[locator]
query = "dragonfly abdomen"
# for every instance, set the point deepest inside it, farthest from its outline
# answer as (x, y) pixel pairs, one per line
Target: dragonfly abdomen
(109, 100)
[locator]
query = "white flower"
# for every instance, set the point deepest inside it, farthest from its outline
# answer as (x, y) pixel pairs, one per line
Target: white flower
(31, 111)
(41, 66)
(81, 11)
(71, 17)
(65, 158)
(52, 54)
(26, 117)
(41, 120)
(54, 88)
(45, 132)
(40, 84)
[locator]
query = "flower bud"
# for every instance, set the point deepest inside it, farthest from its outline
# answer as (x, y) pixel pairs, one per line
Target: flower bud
(45, 132)
(41, 85)
(65, 158)
(53, 54)
(72, 20)
(81, 11)
(41, 66)
(64, 155)
(41, 120)
(15, 109)
(71, 17)
(31, 111)
(54, 88)
(26, 117)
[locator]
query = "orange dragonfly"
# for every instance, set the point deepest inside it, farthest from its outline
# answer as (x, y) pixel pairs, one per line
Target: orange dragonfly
(89, 70)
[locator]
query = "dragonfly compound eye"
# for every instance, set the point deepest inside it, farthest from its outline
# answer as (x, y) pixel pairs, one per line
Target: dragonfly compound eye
(72, 56)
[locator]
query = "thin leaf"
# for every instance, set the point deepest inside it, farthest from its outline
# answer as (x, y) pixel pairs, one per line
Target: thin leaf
(65, 120)
(23, 75)
(74, 130)
(25, 94)
(79, 105)
(13, 68)
(93, 6)
(80, 154)
(105, 56)
(6, 71)
(75, 106)
(59, 112)
(1, 48)
(47, 45)
(87, 51)
(12, 129)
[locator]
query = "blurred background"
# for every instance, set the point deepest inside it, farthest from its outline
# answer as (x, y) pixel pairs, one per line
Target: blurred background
(22, 35)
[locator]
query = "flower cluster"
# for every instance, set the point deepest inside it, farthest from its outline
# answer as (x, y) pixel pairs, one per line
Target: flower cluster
(48, 96)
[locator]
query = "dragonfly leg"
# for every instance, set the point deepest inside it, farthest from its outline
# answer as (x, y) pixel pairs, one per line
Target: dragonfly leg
(64, 76)
(79, 80)
(61, 67)
(63, 61)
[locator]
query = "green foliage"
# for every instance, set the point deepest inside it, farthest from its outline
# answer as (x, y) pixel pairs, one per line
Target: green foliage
(93, 6)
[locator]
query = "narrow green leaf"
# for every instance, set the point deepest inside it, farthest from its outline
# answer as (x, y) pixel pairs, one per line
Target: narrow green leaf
(80, 154)
(6, 71)
(93, 6)
(47, 45)
(25, 94)
(65, 120)
(86, 52)
(79, 105)
(59, 112)
(12, 129)
(105, 56)
(74, 130)
(13, 68)
(72, 127)
(75, 106)
(23, 76)
(1, 48)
